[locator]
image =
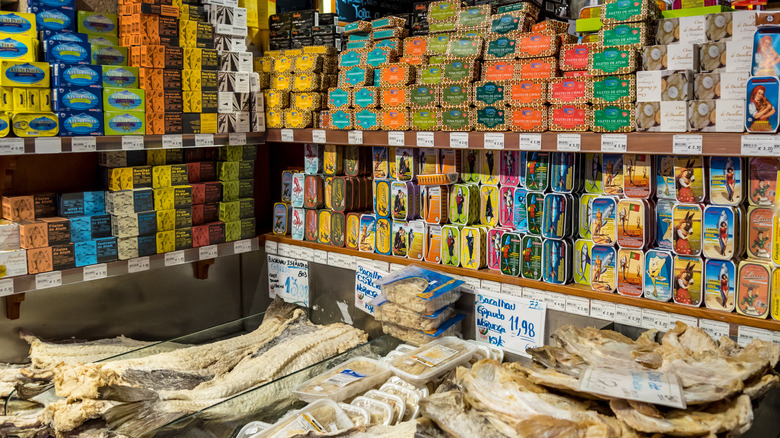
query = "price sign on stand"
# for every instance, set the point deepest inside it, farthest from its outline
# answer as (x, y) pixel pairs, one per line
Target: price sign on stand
(132, 142)
(758, 145)
(138, 264)
(355, 137)
(746, 334)
(366, 289)
(459, 140)
(237, 138)
(48, 279)
(288, 279)
(202, 140)
(628, 315)
(602, 310)
(491, 286)
(172, 141)
(530, 142)
(83, 144)
(645, 386)
(577, 305)
(396, 138)
(512, 323)
(208, 252)
(174, 258)
(614, 143)
(6, 287)
(271, 247)
(321, 256)
(654, 319)
(425, 139)
(11, 146)
(569, 142)
(512, 289)
(683, 144)
(48, 145)
(319, 136)
(494, 140)
(716, 329)
(288, 135)
(241, 246)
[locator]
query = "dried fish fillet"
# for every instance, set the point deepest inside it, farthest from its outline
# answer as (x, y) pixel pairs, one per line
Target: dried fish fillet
(344, 381)
(411, 399)
(357, 415)
(432, 360)
(395, 402)
(451, 414)
(396, 314)
(381, 413)
(420, 428)
(417, 336)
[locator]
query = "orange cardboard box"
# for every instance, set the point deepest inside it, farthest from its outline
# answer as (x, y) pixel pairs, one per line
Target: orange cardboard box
(151, 78)
(155, 123)
(44, 232)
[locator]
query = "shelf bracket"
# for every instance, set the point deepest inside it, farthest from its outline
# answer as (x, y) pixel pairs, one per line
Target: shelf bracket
(201, 269)
(13, 306)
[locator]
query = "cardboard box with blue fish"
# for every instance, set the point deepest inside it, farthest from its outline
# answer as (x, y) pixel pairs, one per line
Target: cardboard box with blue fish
(124, 122)
(62, 4)
(80, 75)
(95, 23)
(18, 48)
(84, 228)
(123, 99)
(49, 34)
(80, 123)
(109, 55)
(53, 19)
(120, 76)
(68, 52)
(77, 99)
(24, 74)
(17, 24)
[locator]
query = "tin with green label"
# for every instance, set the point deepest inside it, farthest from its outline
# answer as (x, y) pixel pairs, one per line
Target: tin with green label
(427, 119)
(531, 258)
(474, 17)
(456, 96)
(430, 75)
(450, 245)
(423, 96)
(614, 118)
(612, 60)
(465, 47)
(534, 207)
(490, 118)
(489, 93)
(634, 35)
(501, 46)
(437, 44)
(511, 249)
(614, 89)
(456, 119)
(459, 71)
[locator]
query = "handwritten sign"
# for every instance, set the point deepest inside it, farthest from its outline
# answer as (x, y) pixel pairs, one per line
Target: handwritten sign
(646, 386)
(366, 288)
(512, 323)
(288, 279)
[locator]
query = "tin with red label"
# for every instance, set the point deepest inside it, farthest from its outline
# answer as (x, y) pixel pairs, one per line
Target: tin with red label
(352, 230)
(333, 159)
(762, 185)
(382, 197)
(434, 203)
(281, 218)
(630, 272)
(338, 224)
(575, 56)
(507, 206)
(324, 223)
(564, 91)
(312, 229)
(384, 236)
(510, 168)
(565, 118)
(494, 247)
(312, 158)
(754, 288)
(314, 196)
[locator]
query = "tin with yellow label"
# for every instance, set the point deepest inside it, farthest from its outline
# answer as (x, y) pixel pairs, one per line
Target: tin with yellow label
(381, 165)
(490, 167)
(352, 230)
(384, 236)
(473, 247)
(333, 159)
(603, 277)
(688, 280)
(489, 207)
(582, 261)
(450, 249)
(464, 204)
(416, 236)
(382, 198)
(324, 222)
(471, 166)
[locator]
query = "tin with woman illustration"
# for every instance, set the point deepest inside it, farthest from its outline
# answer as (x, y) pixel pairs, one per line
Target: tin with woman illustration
(602, 268)
(384, 236)
(687, 284)
(659, 268)
(754, 288)
(536, 177)
(380, 161)
(511, 245)
(534, 211)
(471, 165)
(399, 195)
(721, 232)
(382, 197)
(520, 214)
(531, 258)
(762, 183)
(766, 48)
(400, 238)
(494, 247)
(510, 168)
(450, 248)
(489, 208)
(720, 284)
(726, 186)
(687, 231)
(582, 261)
(555, 256)
(630, 272)
(506, 206)
(762, 96)
(352, 230)
(689, 179)
(405, 163)
(760, 222)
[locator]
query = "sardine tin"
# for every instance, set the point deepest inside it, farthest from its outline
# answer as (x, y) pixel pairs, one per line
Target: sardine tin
(506, 206)
(281, 218)
(630, 272)
(384, 236)
(405, 163)
(754, 288)
(400, 238)
(555, 261)
(585, 214)
(726, 187)
(556, 216)
(494, 247)
(759, 237)
(352, 230)
(464, 204)
(313, 196)
(416, 238)
(367, 233)
(602, 226)
(297, 227)
(471, 166)
(536, 176)
(564, 172)
(534, 204)
(472, 247)
(688, 280)
(638, 175)
(531, 259)
(450, 248)
(631, 224)
(491, 163)
(338, 223)
(612, 174)
(720, 232)
(313, 158)
(298, 182)
(664, 177)
(510, 250)
(582, 261)
(489, 208)
(687, 233)
(689, 178)
(382, 198)
(720, 285)
(324, 223)
(287, 176)
(762, 183)
(432, 243)
(658, 275)
(520, 213)
(381, 164)
(333, 159)
(434, 203)
(593, 173)
(602, 268)
(312, 229)
(510, 168)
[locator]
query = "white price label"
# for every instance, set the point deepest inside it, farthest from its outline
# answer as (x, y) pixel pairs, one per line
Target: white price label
(319, 136)
(512, 289)
(396, 267)
(652, 387)
(578, 305)
(512, 323)
(555, 301)
(425, 139)
(530, 142)
(355, 137)
(494, 140)
(138, 264)
(470, 285)
(271, 247)
(396, 138)
(335, 260)
(690, 321)
(654, 319)
(628, 315)
(459, 140)
(285, 250)
(381, 266)
(716, 329)
(242, 246)
(533, 294)
(746, 334)
(288, 135)
(48, 145)
(237, 138)
(132, 142)
(491, 286)
(306, 254)
(321, 256)
(172, 141)
(602, 310)
(174, 258)
(48, 279)
(6, 287)
(617, 143)
(683, 144)
(763, 145)
(95, 272)
(83, 144)
(208, 252)
(569, 142)
(11, 146)
(204, 140)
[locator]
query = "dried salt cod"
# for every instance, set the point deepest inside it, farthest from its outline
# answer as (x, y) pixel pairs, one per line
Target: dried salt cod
(320, 416)
(420, 428)
(396, 314)
(420, 290)
(452, 415)
(356, 414)
(380, 412)
(395, 402)
(345, 380)
(434, 359)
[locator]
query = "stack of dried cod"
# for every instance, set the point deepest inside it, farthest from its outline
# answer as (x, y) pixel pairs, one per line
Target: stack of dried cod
(134, 397)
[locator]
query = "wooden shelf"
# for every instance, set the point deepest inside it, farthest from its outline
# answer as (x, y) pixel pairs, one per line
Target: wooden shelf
(728, 144)
(569, 289)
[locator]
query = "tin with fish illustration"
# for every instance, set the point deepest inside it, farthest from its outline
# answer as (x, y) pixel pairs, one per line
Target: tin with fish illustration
(450, 249)
(312, 230)
(405, 163)
(382, 197)
(632, 223)
(630, 272)
(689, 179)
(688, 280)
(494, 247)
(753, 288)
(341, 193)
(296, 194)
(434, 203)
(531, 259)
(415, 238)
(314, 195)
(534, 205)
(537, 171)
(324, 223)
(506, 206)
(281, 218)
(612, 174)
(448, 162)
(297, 223)
(355, 160)
(556, 216)
(582, 261)
(333, 159)
(564, 172)
(511, 246)
(338, 223)
(473, 247)
(384, 236)
(602, 224)
(555, 256)
(313, 159)
(367, 233)
(603, 277)
(352, 230)
(464, 204)
(664, 177)
(287, 177)
(664, 223)
(510, 168)
(491, 163)
(488, 212)
(432, 243)
(584, 216)
(392, 163)
(760, 226)
(520, 212)
(658, 271)
(726, 186)
(638, 175)
(762, 185)
(687, 232)
(327, 187)
(400, 238)
(471, 165)
(720, 232)
(594, 180)
(380, 162)
(720, 285)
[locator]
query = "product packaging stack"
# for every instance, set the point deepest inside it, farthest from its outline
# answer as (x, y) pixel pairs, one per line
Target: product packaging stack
(419, 24)
(295, 30)
(236, 209)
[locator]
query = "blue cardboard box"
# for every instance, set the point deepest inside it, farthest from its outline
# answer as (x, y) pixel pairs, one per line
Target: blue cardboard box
(84, 228)
(96, 251)
(49, 34)
(80, 123)
(82, 203)
(80, 75)
(48, 4)
(68, 52)
(55, 19)
(77, 99)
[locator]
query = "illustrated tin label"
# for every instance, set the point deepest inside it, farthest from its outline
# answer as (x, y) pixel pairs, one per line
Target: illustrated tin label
(297, 229)
(602, 226)
(367, 233)
(404, 162)
(471, 166)
(381, 165)
(719, 289)
(312, 159)
(352, 160)
(763, 180)
(719, 227)
(612, 174)
(664, 224)
(637, 171)
(762, 95)
(499, 47)
(687, 229)
(400, 238)
(630, 275)
(450, 252)
(536, 173)
(563, 172)
(689, 178)
(753, 289)
(586, 214)
(416, 237)
(688, 280)
(582, 261)
(471, 248)
(324, 219)
(427, 162)
(725, 180)
(489, 205)
(281, 218)
(554, 261)
(489, 93)
(520, 213)
(455, 95)
(296, 197)
(665, 177)
(593, 173)
(432, 243)
(490, 167)
(382, 198)
(384, 236)
(602, 268)
(531, 262)
(554, 216)
(400, 197)
(494, 248)
(312, 230)
(631, 216)
(507, 211)
(760, 232)
(337, 229)
(658, 271)
(534, 203)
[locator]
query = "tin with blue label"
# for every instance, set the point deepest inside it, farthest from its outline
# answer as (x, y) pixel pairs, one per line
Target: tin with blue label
(68, 52)
(64, 36)
(298, 182)
(19, 48)
(720, 287)
(564, 172)
(80, 75)
(74, 124)
(556, 216)
(77, 99)
(520, 213)
(84, 228)
(95, 251)
(664, 224)
(555, 256)
(17, 24)
(24, 74)
(281, 219)
(35, 124)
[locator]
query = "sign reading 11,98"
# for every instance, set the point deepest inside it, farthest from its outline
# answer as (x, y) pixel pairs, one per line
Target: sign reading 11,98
(512, 323)
(288, 279)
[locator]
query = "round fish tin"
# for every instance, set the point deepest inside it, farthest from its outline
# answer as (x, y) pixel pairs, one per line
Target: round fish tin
(313, 196)
(531, 259)
(664, 223)
(689, 179)
(584, 217)
(556, 216)
(312, 159)
(494, 247)
(506, 206)
(382, 198)
(510, 168)
(564, 172)
(754, 288)
(324, 222)
(687, 231)
(450, 249)
(384, 236)
(762, 185)
(352, 230)
(434, 203)
(602, 268)
(520, 211)
(658, 275)
(471, 166)
(720, 232)
(688, 280)
(594, 180)
(534, 205)
(490, 167)
(720, 284)
(338, 224)
(381, 163)
(400, 238)
(400, 196)
(333, 159)
(488, 212)
(281, 218)
(296, 194)
(630, 272)
(602, 225)
(759, 237)
(298, 222)
(664, 177)
(638, 175)
(312, 229)
(473, 247)
(432, 243)
(612, 174)
(537, 168)
(367, 233)
(415, 238)
(726, 186)
(511, 247)
(287, 176)
(555, 254)
(632, 229)
(582, 261)
(327, 186)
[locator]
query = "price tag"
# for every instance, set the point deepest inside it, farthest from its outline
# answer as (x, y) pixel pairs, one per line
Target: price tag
(48, 145)
(334, 259)
(425, 139)
(578, 305)
(459, 140)
(683, 144)
(174, 258)
(381, 266)
(138, 264)
(512, 323)
(716, 329)
(321, 256)
(654, 319)
(271, 247)
(6, 287)
(512, 289)
(628, 315)
(241, 246)
(617, 143)
(355, 137)
(555, 301)
(95, 272)
(11, 146)
(306, 254)
(288, 135)
(396, 138)
(494, 140)
(491, 286)
(690, 321)
(172, 141)
(132, 142)
(396, 267)
(530, 142)
(569, 142)
(602, 310)
(746, 334)
(319, 136)
(237, 138)
(83, 144)
(350, 262)
(470, 285)
(204, 140)
(283, 249)
(763, 145)
(208, 252)
(646, 386)
(533, 294)
(48, 279)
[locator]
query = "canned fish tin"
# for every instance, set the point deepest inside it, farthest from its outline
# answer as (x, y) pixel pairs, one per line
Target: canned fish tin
(633, 224)
(456, 119)
(342, 193)
(382, 198)
(536, 177)
(427, 162)
(489, 93)
(574, 57)
(327, 186)
(511, 247)
(296, 196)
(564, 171)
(753, 290)
(594, 179)
(472, 166)
(400, 196)
(501, 46)
(616, 60)
(450, 250)
(490, 167)
(564, 91)
(569, 118)
(312, 229)
(472, 247)
(416, 237)
(555, 254)
(526, 92)
(333, 159)
(367, 233)
(313, 159)
(612, 174)
(637, 174)
(725, 180)
(424, 96)
(338, 229)
(494, 247)
(384, 236)
(760, 226)
(658, 269)
(381, 165)
(520, 211)
(689, 178)
(287, 177)
(720, 232)
(506, 206)
(603, 277)
(352, 230)
(355, 160)
(534, 204)
(464, 204)
(448, 162)
(585, 215)
(531, 261)
(488, 212)
(281, 218)
(630, 273)
(405, 163)
(400, 238)
(720, 285)
(687, 234)
(664, 180)
(582, 261)
(434, 204)
(509, 174)
(664, 220)
(775, 305)
(432, 243)
(762, 186)
(688, 280)
(602, 226)
(324, 223)
(314, 195)
(298, 222)
(490, 118)
(556, 216)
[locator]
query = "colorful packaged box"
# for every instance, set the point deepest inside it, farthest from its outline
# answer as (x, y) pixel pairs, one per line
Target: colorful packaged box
(53, 19)
(94, 23)
(15, 262)
(35, 124)
(44, 232)
(67, 52)
(77, 99)
(50, 258)
(119, 76)
(95, 251)
(129, 201)
(18, 24)
(109, 55)
(24, 74)
(124, 123)
(66, 75)
(612, 60)
(133, 247)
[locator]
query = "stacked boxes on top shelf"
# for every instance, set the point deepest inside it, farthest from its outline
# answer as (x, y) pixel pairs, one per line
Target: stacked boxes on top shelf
(295, 30)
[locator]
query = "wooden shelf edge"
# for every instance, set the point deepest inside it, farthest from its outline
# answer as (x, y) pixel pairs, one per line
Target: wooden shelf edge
(569, 289)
